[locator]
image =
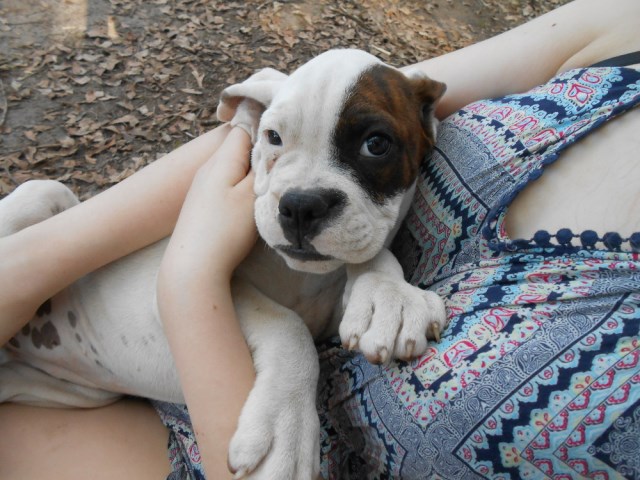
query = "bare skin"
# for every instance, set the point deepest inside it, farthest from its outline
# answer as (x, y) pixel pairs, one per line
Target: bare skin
(575, 35)
(124, 440)
(606, 161)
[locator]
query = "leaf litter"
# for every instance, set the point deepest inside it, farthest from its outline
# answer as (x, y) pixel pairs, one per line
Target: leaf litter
(89, 100)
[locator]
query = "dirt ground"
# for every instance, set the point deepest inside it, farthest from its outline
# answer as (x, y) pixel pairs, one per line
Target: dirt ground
(92, 90)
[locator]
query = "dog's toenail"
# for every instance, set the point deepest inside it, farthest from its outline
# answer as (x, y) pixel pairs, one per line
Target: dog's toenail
(435, 331)
(383, 354)
(410, 348)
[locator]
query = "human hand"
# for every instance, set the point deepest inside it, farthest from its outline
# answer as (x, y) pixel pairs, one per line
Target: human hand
(216, 228)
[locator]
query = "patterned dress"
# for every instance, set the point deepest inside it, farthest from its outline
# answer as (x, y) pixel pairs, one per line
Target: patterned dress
(538, 373)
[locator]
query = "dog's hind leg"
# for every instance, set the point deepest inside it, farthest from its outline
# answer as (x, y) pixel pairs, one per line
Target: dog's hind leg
(33, 202)
(22, 383)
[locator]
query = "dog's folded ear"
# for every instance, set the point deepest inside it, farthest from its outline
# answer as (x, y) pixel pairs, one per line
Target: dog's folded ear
(429, 92)
(242, 104)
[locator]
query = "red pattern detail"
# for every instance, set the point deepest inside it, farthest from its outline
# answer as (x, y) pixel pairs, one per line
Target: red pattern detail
(528, 454)
(620, 396)
(580, 93)
(530, 298)
(579, 466)
(194, 453)
(581, 401)
(466, 453)
(458, 352)
(563, 453)
(543, 137)
(604, 381)
(591, 78)
(556, 88)
(560, 422)
(541, 442)
(527, 123)
(596, 416)
(629, 361)
(497, 318)
(577, 437)
(545, 466)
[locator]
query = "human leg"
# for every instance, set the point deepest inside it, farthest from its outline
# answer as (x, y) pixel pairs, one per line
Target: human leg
(122, 440)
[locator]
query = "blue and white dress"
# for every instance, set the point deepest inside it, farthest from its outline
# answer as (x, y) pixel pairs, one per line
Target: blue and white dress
(538, 373)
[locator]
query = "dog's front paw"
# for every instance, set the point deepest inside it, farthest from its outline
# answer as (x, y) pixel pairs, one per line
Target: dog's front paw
(389, 318)
(278, 436)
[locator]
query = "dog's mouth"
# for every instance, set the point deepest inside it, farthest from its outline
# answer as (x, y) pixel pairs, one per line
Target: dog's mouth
(308, 254)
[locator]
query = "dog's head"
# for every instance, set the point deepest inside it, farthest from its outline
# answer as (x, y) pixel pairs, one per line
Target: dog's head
(337, 148)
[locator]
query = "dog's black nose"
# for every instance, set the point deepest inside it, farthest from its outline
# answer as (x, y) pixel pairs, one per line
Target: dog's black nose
(304, 213)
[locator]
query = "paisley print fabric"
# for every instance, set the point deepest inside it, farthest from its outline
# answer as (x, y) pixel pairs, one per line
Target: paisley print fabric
(538, 373)
(184, 455)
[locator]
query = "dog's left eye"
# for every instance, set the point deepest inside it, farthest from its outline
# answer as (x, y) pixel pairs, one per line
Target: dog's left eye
(274, 138)
(375, 146)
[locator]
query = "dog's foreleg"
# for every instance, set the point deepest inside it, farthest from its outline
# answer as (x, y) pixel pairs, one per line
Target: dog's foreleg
(278, 430)
(384, 316)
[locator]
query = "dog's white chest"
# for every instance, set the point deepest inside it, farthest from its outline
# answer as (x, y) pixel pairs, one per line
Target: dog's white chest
(312, 296)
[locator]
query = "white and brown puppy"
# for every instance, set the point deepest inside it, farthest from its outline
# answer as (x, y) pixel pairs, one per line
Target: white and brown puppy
(338, 145)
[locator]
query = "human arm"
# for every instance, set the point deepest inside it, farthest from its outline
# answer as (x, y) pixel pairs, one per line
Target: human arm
(575, 35)
(214, 232)
(44, 258)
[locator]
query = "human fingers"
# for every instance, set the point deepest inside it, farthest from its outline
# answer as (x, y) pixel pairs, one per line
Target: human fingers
(246, 183)
(232, 159)
(244, 199)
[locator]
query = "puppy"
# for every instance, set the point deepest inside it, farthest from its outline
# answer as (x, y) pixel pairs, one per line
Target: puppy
(337, 149)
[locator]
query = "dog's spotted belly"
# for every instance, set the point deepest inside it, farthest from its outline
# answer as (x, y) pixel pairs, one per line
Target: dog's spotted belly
(81, 336)
(104, 331)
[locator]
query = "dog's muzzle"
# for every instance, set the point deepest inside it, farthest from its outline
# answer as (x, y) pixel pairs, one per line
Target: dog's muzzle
(303, 214)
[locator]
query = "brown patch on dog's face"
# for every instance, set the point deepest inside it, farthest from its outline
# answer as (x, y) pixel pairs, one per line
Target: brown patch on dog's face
(385, 129)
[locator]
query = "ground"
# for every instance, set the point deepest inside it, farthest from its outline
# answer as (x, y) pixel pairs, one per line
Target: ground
(92, 90)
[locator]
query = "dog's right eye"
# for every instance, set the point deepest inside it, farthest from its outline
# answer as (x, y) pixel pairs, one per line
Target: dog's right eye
(274, 138)
(375, 146)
